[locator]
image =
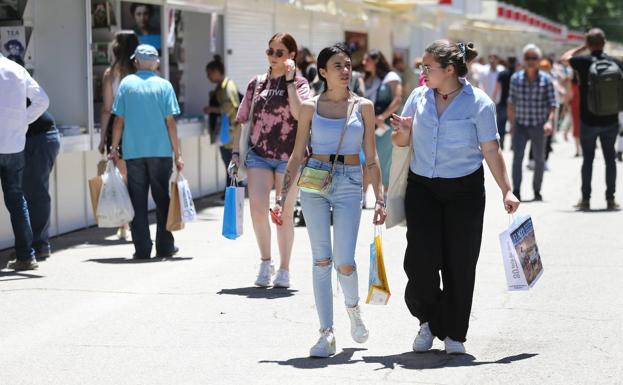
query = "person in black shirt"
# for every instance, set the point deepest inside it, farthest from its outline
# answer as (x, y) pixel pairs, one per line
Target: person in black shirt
(594, 126)
(42, 147)
(502, 88)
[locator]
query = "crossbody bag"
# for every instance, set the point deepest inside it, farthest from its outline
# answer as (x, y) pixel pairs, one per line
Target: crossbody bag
(317, 180)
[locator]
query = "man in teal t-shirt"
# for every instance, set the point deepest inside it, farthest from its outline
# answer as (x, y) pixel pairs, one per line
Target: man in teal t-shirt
(145, 105)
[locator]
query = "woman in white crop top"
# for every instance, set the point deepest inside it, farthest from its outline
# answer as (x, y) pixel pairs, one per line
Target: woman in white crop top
(324, 115)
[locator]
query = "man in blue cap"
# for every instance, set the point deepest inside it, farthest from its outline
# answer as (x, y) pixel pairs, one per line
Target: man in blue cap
(145, 105)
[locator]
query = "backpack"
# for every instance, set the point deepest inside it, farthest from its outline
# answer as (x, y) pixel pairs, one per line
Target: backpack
(605, 87)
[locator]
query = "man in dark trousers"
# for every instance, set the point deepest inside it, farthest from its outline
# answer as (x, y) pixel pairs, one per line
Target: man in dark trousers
(17, 87)
(595, 124)
(145, 105)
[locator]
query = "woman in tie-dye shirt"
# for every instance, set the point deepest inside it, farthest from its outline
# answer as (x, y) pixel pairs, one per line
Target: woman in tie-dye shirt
(273, 132)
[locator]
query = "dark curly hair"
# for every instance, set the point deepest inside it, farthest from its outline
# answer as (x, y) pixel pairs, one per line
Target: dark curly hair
(459, 55)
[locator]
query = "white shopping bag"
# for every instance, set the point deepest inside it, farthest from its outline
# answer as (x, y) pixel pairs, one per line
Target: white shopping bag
(114, 207)
(522, 260)
(187, 206)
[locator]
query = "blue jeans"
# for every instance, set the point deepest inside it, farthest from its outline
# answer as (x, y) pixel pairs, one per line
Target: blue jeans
(11, 173)
(255, 161)
(41, 152)
(588, 139)
(143, 174)
(345, 197)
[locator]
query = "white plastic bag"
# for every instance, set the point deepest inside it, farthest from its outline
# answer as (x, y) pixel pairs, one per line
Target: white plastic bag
(114, 208)
(187, 206)
(520, 253)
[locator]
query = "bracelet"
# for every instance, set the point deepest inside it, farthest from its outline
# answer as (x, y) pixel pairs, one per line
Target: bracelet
(235, 153)
(290, 81)
(382, 203)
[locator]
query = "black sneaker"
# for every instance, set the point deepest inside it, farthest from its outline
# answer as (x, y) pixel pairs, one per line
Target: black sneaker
(583, 205)
(612, 205)
(19, 265)
(169, 254)
(538, 197)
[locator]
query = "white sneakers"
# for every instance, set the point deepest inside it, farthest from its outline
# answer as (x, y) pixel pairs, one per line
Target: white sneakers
(453, 347)
(357, 329)
(282, 279)
(325, 347)
(424, 341)
(266, 272)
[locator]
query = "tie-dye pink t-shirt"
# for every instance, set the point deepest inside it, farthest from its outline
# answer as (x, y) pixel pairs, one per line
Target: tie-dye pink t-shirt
(274, 128)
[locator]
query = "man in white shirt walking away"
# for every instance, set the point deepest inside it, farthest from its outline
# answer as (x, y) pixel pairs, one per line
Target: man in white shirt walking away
(488, 77)
(17, 86)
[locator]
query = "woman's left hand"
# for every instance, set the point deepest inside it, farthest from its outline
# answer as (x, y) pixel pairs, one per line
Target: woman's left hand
(511, 203)
(379, 214)
(290, 69)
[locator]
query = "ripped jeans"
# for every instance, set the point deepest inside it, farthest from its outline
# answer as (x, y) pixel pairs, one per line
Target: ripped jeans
(344, 197)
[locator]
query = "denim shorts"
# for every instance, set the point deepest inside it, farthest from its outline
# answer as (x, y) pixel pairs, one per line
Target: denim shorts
(255, 161)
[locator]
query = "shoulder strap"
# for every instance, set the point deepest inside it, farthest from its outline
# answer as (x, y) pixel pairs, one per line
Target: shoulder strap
(257, 87)
(354, 99)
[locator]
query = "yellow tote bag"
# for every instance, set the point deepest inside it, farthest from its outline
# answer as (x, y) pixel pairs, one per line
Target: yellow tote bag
(378, 286)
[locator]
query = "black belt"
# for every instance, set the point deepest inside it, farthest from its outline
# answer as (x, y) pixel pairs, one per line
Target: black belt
(340, 158)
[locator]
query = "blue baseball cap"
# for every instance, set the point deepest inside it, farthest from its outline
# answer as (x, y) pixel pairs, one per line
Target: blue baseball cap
(145, 52)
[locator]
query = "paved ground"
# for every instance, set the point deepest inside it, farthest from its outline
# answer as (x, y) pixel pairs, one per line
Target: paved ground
(92, 316)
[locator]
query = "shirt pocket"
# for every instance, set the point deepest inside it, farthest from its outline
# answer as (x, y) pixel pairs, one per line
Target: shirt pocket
(458, 133)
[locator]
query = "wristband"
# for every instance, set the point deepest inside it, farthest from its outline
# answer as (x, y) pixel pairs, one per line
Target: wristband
(235, 153)
(290, 81)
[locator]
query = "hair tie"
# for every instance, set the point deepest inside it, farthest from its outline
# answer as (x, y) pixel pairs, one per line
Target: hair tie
(462, 48)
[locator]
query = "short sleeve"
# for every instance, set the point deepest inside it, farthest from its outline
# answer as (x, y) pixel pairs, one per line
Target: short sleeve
(302, 88)
(171, 107)
(411, 103)
(512, 90)
(575, 62)
(118, 105)
(232, 94)
(486, 124)
(392, 77)
(245, 106)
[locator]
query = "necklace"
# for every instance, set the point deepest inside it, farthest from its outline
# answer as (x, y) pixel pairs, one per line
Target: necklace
(445, 96)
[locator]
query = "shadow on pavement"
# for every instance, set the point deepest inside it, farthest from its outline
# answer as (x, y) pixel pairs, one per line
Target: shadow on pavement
(254, 292)
(121, 261)
(591, 211)
(436, 359)
(345, 357)
(6, 276)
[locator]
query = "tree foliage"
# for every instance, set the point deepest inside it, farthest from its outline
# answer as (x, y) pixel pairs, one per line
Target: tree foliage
(581, 14)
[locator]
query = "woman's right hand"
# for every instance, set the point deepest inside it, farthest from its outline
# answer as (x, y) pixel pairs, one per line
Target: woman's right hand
(401, 124)
(234, 165)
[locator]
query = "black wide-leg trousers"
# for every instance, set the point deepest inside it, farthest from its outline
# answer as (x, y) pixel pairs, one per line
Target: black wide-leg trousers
(444, 233)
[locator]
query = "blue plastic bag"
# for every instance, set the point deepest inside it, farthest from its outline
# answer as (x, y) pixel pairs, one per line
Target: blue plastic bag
(224, 129)
(234, 212)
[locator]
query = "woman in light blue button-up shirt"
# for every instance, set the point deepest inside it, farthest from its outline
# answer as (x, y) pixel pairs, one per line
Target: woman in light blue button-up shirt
(452, 128)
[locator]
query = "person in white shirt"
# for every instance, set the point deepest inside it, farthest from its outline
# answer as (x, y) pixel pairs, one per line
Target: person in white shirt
(17, 86)
(488, 77)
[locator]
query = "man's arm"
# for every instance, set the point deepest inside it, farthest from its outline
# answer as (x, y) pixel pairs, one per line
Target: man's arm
(571, 53)
(172, 130)
(39, 101)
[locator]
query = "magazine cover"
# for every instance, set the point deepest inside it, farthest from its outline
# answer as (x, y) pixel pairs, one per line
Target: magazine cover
(101, 53)
(13, 43)
(527, 250)
(103, 15)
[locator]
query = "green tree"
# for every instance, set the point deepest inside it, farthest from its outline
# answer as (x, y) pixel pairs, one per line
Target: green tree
(581, 14)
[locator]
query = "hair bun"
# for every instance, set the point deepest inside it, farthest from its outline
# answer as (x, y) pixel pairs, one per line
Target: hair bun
(470, 52)
(217, 58)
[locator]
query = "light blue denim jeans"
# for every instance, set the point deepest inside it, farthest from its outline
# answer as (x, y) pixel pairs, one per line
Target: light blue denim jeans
(344, 197)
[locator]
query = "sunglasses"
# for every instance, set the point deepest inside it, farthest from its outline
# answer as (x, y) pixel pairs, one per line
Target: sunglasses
(531, 58)
(426, 68)
(277, 53)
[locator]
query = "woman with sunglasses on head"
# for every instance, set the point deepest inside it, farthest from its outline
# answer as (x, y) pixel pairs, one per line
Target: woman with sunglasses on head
(276, 107)
(336, 124)
(452, 128)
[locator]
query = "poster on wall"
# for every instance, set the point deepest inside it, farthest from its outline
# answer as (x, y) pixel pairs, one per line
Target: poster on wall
(11, 9)
(357, 43)
(13, 43)
(144, 19)
(103, 14)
